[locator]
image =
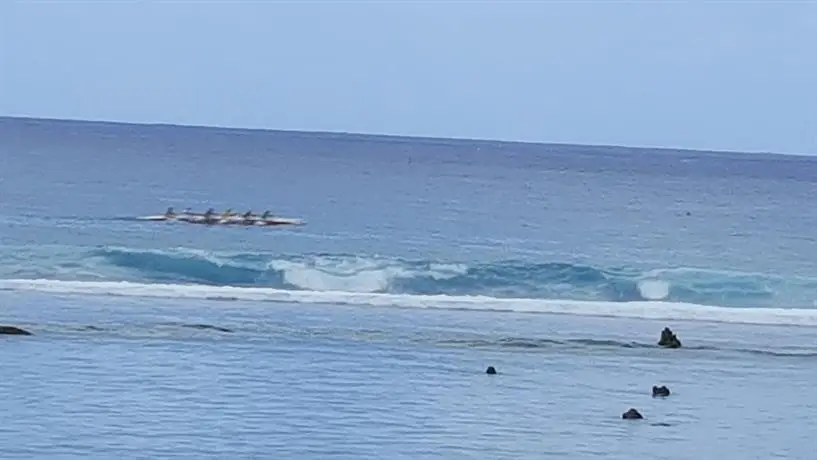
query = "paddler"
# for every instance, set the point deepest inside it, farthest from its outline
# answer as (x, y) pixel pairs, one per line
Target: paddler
(207, 217)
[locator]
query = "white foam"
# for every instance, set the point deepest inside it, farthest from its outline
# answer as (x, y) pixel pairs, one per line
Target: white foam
(653, 289)
(340, 279)
(640, 310)
(354, 274)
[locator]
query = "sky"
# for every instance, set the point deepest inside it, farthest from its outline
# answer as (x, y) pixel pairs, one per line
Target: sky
(738, 76)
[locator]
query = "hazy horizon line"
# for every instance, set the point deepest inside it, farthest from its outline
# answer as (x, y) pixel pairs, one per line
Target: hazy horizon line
(393, 136)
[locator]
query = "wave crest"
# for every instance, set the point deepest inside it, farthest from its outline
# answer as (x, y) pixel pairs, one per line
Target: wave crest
(383, 275)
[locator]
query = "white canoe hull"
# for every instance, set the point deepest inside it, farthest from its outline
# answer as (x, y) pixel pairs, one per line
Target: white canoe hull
(154, 218)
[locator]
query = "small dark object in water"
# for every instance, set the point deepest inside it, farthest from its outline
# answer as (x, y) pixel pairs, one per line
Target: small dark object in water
(632, 414)
(11, 330)
(490, 370)
(208, 327)
(660, 391)
(669, 339)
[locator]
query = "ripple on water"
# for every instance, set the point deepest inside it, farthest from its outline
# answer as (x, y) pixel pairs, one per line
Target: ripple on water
(346, 382)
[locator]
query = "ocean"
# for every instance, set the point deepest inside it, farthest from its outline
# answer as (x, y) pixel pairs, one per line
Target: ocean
(366, 333)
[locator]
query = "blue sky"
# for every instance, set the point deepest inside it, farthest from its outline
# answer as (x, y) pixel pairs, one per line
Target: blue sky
(724, 76)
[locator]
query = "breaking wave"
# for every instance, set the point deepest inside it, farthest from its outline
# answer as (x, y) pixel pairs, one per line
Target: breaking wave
(358, 274)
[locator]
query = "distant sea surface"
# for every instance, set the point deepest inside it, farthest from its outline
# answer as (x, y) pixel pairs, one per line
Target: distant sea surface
(366, 332)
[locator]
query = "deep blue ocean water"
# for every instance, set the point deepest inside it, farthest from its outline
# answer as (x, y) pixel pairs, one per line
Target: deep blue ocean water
(366, 333)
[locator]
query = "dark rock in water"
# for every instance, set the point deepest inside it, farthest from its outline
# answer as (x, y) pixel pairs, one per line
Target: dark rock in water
(660, 391)
(490, 370)
(11, 330)
(632, 414)
(669, 339)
